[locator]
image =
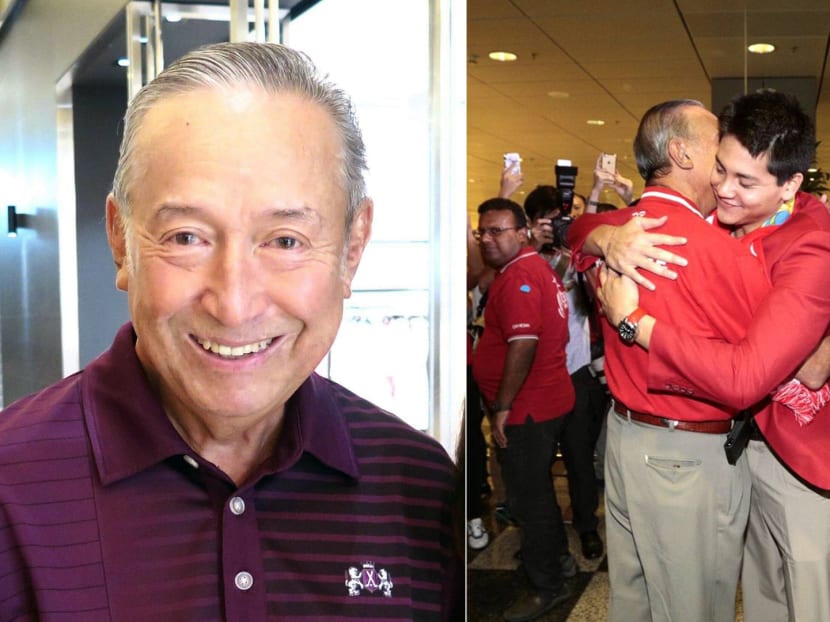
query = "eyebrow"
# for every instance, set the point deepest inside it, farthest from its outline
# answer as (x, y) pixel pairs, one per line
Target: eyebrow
(741, 176)
(168, 211)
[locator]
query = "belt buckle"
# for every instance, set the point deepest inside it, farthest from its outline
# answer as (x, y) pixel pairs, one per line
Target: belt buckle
(671, 423)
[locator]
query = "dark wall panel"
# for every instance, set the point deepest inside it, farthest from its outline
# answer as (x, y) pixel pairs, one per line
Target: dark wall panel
(98, 112)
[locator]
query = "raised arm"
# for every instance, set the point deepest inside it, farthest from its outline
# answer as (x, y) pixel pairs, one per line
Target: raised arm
(786, 328)
(626, 243)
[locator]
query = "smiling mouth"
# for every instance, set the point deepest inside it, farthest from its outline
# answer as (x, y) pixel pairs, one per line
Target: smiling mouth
(234, 352)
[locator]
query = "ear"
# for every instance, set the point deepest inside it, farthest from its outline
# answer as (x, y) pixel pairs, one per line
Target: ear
(361, 231)
(678, 154)
(117, 237)
(791, 186)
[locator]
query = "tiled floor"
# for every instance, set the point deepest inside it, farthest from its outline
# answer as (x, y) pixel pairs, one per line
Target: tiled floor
(493, 582)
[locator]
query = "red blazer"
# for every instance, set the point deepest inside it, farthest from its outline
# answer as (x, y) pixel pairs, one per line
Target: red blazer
(785, 329)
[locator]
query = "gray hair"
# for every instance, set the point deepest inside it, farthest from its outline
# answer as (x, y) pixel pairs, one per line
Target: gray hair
(268, 66)
(659, 125)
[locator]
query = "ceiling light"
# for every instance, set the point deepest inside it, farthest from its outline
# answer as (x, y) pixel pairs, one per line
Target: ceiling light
(123, 62)
(503, 57)
(173, 17)
(761, 48)
(595, 122)
(558, 95)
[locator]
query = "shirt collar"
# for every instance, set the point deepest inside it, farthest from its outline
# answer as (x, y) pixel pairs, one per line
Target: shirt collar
(524, 253)
(670, 195)
(130, 432)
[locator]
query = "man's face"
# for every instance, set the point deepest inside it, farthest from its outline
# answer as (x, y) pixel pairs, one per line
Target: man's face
(236, 265)
(746, 191)
(498, 249)
(702, 150)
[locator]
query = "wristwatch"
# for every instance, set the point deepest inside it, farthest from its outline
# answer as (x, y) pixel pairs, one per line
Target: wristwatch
(627, 328)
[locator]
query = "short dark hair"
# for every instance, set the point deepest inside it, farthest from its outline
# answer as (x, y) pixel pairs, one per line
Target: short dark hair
(499, 204)
(772, 123)
(542, 200)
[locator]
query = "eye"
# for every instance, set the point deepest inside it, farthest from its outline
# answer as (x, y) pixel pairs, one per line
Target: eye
(185, 238)
(284, 242)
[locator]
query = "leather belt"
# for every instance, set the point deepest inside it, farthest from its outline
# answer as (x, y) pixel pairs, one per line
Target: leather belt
(722, 426)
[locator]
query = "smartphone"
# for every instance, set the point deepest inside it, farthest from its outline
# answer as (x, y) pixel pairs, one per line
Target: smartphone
(512, 160)
(608, 162)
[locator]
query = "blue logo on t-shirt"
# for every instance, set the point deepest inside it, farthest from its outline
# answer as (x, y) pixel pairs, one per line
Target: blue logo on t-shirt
(525, 289)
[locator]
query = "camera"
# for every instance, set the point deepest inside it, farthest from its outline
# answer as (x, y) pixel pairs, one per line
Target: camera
(565, 182)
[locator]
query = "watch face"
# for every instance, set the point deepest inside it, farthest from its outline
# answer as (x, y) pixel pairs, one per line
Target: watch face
(627, 331)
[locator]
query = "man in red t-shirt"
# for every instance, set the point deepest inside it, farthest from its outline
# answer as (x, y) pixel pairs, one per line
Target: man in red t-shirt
(519, 365)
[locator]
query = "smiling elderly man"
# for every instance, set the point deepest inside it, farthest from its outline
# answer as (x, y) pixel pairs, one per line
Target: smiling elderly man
(199, 469)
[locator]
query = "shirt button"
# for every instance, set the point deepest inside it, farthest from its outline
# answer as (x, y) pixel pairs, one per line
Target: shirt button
(243, 581)
(191, 461)
(237, 506)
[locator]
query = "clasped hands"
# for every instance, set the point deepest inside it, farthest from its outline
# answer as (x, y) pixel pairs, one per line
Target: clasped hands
(630, 250)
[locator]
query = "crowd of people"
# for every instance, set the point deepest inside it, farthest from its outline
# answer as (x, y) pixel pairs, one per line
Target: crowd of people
(710, 295)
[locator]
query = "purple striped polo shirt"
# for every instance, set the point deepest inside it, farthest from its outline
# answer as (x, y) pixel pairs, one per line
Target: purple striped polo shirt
(107, 514)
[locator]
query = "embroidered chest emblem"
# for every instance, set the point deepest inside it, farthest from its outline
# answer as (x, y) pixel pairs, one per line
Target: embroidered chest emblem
(369, 579)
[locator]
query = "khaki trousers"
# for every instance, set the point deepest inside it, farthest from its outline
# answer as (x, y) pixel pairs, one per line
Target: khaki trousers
(786, 570)
(676, 513)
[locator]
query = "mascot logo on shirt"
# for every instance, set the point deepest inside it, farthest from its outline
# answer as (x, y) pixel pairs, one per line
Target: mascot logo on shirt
(369, 579)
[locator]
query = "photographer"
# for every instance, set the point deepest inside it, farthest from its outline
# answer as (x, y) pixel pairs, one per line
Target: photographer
(548, 210)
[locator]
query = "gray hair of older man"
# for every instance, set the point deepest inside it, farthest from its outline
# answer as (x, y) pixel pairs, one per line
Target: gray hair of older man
(658, 126)
(274, 69)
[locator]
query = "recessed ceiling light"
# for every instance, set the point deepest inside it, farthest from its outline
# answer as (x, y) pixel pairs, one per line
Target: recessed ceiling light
(173, 17)
(761, 48)
(595, 122)
(123, 62)
(558, 95)
(503, 57)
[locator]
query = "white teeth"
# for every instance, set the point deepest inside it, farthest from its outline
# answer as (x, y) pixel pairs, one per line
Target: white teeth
(234, 352)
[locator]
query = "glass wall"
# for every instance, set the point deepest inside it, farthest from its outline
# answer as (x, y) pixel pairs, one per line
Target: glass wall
(385, 350)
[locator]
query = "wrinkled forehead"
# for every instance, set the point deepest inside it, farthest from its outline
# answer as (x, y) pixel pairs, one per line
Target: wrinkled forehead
(246, 124)
(275, 144)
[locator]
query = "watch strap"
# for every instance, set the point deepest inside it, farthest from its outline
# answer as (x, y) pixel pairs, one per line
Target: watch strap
(636, 315)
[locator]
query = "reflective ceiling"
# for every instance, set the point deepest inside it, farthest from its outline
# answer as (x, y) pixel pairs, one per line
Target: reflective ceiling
(610, 61)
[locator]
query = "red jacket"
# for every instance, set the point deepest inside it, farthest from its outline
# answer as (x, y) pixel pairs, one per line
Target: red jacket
(785, 329)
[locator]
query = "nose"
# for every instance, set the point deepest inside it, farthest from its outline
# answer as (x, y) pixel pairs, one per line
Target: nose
(235, 292)
(720, 182)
